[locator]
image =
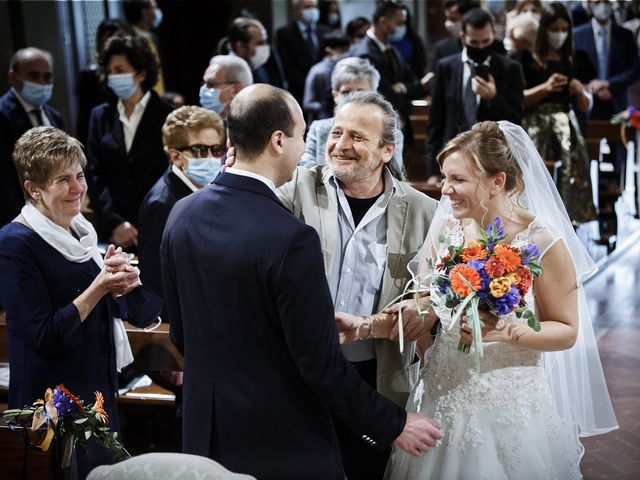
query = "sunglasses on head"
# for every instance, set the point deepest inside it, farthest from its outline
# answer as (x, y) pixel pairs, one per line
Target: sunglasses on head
(200, 151)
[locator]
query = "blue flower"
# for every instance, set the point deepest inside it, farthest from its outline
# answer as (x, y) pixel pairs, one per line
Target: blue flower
(505, 304)
(63, 403)
(530, 254)
(478, 265)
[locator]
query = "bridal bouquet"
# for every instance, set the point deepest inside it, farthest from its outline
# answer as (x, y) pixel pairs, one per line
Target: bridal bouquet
(629, 118)
(489, 274)
(64, 417)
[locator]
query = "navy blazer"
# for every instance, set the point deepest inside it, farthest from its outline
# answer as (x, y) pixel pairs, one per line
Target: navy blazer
(251, 310)
(296, 57)
(14, 121)
(624, 66)
(447, 117)
(118, 181)
(154, 212)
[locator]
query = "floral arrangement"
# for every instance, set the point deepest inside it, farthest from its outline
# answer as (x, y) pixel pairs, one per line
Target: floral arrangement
(489, 274)
(65, 417)
(628, 118)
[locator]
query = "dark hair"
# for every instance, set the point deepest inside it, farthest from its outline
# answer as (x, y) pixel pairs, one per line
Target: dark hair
(324, 6)
(356, 24)
(133, 10)
(476, 18)
(238, 31)
(385, 9)
(465, 5)
(550, 13)
(335, 40)
(450, 4)
(138, 55)
(108, 28)
(251, 123)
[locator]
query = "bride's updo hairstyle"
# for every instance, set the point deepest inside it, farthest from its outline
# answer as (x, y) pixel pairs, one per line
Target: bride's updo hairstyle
(489, 152)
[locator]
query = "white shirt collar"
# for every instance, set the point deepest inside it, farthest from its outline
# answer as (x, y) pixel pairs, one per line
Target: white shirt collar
(138, 109)
(26, 105)
(257, 176)
(187, 181)
(382, 46)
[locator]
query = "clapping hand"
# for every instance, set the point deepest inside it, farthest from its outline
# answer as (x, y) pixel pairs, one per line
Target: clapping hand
(555, 83)
(118, 277)
(600, 88)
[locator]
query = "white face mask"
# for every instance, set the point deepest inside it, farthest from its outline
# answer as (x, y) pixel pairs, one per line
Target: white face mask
(260, 57)
(602, 11)
(557, 39)
(454, 28)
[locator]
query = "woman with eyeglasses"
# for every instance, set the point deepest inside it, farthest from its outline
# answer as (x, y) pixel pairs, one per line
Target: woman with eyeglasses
(193, 139)
(124, 151)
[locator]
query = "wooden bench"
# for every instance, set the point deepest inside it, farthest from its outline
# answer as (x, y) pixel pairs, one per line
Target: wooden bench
(12, 456)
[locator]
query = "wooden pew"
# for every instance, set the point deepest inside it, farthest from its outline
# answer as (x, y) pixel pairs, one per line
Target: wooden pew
(152, 351)
(12, 456)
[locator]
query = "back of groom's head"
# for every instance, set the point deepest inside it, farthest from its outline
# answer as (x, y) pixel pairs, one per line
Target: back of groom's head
(254, 114)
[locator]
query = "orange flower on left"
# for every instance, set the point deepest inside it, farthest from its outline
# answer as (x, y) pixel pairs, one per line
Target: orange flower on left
(459, 286)
(475, 251)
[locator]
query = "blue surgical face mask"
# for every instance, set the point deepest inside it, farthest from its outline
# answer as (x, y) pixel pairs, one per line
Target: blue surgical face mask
(333, 19)
(202, 171)
(310, 15)
(35, 93)
(157, 18)
(399, 34)
(122, 85)
(210, 99)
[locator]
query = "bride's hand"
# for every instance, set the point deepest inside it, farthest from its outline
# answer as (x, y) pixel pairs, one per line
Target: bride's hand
(493, 330)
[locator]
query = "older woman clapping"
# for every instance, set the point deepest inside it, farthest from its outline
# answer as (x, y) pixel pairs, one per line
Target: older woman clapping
(64, 303)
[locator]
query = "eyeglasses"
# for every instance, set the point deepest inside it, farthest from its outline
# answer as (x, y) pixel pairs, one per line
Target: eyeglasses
(200, 151)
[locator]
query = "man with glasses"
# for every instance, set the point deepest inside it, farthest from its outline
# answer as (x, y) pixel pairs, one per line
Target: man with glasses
(193, 139)
(225, 76)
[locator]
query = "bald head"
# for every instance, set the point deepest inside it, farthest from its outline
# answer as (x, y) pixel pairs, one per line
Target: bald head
(36, 67)
(27, 55)
(255, 114)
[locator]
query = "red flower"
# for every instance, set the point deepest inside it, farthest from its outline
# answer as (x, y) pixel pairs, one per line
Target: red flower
(494, 267)
(525, 279)
(71, 397)
(634, 120)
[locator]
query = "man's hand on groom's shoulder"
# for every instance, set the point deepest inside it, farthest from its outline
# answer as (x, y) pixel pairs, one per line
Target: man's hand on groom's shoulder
(420, 434)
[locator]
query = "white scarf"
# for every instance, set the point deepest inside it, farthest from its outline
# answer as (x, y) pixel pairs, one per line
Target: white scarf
(78, 250)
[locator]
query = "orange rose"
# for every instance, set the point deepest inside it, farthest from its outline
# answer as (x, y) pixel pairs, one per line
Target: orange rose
(475, 251)
(508, 256)
(459, 286)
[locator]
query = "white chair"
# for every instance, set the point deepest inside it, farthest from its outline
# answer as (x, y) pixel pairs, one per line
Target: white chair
(165, 466)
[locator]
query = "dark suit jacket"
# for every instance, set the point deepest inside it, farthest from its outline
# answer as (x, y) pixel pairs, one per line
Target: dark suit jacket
(119, 180)
(154, 212)
(251, 309)
(447, 117)
(295, 56)
(272, 72)
(14, 121)
(367, 48)
(624, 66)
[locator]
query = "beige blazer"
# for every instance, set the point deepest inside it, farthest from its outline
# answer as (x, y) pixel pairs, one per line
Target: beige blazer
(409, 213)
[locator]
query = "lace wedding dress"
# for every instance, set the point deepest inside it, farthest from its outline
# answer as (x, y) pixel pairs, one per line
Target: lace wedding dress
(500, 424)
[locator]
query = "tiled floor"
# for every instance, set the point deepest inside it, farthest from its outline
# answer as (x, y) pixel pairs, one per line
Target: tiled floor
(614, 296)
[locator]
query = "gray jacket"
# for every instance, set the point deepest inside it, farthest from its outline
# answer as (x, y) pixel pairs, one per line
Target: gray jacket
(409, 214)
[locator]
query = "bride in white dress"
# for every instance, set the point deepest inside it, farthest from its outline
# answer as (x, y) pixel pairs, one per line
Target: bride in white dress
(537, 392)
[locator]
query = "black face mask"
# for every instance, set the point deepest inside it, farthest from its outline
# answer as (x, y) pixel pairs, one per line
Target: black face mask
(478, 55)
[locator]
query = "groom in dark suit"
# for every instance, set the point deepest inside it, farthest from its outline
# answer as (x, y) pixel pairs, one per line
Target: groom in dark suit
(251, 311)
(472, 86)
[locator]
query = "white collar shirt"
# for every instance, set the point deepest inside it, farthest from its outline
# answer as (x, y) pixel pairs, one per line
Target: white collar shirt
(257, 176)
(466, 70)
(130, 124)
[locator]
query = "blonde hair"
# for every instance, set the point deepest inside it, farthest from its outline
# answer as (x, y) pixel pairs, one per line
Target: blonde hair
(489, 152)
(41, 152)
(189, 119)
